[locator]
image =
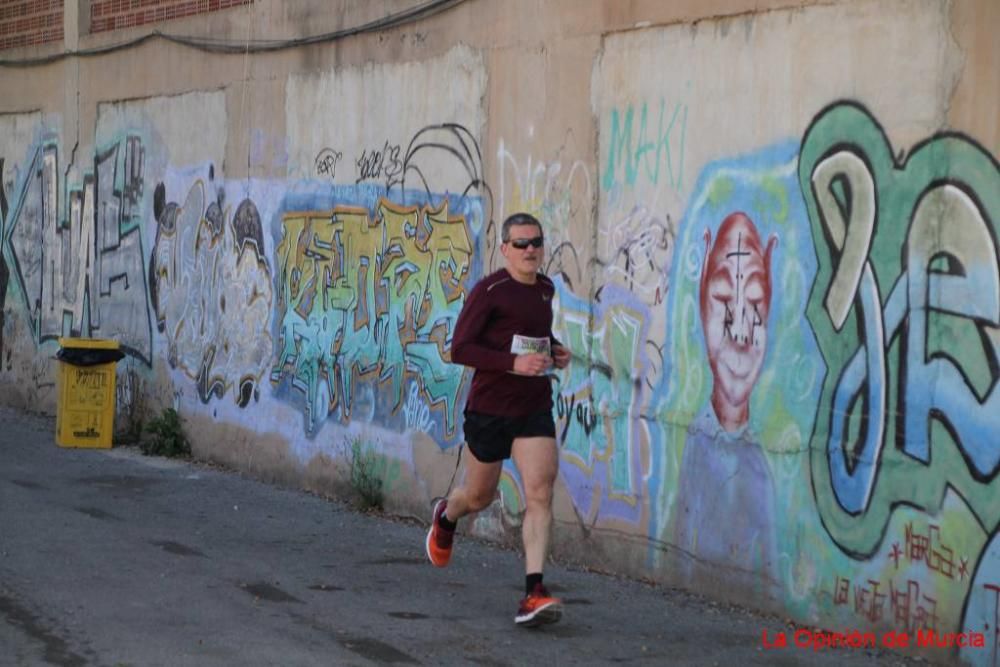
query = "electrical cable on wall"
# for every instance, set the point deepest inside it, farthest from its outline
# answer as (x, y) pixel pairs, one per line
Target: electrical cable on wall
(227, 46)
(251, 11)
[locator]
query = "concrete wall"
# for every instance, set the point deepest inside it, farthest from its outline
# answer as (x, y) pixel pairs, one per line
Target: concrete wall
(773, 227)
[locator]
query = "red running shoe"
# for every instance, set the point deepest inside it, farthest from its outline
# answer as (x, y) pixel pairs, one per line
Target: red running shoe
(538, 608)
(439, 540)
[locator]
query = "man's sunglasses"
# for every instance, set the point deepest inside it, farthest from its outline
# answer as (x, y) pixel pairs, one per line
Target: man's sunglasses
(522, 244)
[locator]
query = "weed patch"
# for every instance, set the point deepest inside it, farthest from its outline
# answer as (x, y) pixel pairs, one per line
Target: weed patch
(165, 436)
(368, 471)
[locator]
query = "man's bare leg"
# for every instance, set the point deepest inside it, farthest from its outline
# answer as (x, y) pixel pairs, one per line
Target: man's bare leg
(537, 461)
(477, 490)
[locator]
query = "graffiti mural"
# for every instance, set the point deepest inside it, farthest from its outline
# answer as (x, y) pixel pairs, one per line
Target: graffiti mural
(371, 295)
(740, 376)
(79, 262)
(724, 472)
(371, 276)
(598, 402)
(210, 286)
(906, 309)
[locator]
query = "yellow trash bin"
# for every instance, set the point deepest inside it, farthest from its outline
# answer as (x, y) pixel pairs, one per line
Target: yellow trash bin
(85, 414)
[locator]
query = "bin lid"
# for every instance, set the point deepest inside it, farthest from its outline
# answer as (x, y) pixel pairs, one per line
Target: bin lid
(88, 343)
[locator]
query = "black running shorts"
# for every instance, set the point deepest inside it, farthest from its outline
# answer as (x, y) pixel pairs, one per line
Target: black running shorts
(490, 437)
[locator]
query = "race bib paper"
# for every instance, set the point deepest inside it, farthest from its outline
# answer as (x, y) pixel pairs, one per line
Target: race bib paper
(528, 345)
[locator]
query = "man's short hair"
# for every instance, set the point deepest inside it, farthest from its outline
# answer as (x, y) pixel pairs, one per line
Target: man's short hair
(517, 220)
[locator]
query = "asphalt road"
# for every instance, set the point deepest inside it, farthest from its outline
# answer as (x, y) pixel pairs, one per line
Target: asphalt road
(111, 558)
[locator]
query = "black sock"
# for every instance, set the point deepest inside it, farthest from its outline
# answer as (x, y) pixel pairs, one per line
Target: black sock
(447, 525)
(531, 581)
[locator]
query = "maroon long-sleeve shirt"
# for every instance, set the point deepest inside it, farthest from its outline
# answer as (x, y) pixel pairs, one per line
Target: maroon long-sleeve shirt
(498, 308)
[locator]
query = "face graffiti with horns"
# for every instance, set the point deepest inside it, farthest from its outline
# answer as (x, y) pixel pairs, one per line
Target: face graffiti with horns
(735, 299)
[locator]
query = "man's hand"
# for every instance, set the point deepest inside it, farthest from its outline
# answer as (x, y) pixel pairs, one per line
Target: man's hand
(535, 363)
(560, 356)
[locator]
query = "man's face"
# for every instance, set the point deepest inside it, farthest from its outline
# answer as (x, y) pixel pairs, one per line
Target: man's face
(735, 300)
(523, 260)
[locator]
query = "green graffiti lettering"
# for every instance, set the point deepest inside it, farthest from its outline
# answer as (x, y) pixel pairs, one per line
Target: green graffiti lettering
(653, 153)
(906, 309)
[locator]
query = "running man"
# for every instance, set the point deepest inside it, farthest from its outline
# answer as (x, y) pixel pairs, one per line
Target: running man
(504, 332)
